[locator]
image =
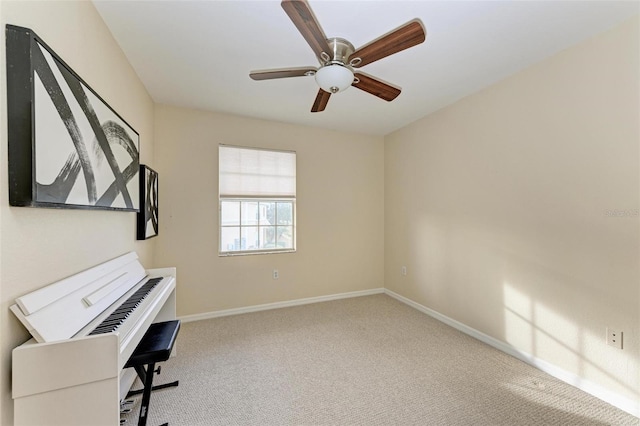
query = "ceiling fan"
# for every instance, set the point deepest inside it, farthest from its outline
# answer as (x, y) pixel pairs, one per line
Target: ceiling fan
(338, 57)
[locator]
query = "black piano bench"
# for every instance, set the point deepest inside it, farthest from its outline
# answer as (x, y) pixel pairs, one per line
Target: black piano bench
(155, 346)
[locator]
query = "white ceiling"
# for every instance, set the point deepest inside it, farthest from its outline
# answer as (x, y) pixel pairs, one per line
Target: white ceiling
(198, 54)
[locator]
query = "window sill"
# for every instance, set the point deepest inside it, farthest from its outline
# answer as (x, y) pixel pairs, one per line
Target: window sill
(259, 252)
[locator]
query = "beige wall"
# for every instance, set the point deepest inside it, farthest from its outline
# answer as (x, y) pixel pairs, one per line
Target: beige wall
(39, 246)
(340, 203)
(498, 207)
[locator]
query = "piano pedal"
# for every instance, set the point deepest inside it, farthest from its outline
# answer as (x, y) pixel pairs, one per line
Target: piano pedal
(126, 406)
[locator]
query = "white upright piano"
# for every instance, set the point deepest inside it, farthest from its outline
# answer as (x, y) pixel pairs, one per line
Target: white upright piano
(85, 328)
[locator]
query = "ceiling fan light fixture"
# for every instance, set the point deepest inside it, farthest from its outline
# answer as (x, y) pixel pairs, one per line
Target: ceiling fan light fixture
(334, 78)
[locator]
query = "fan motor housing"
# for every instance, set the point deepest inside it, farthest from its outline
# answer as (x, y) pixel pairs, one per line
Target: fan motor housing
(341, 49)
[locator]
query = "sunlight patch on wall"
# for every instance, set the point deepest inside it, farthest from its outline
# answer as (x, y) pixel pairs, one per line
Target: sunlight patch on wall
(538, 330)
(534, 328)
(556, 336)
(518, 319)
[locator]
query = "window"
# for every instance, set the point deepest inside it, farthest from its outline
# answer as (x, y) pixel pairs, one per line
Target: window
(257, 190)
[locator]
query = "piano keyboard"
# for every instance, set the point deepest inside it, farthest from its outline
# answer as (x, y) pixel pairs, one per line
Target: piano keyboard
(117, 317)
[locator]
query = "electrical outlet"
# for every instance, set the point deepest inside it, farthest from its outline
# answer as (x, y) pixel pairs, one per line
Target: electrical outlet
(275, 274)
(614, 338)
(403, 271)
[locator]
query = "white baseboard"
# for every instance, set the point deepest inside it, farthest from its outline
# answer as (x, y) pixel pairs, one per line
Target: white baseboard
(277, 305)
(619, 401)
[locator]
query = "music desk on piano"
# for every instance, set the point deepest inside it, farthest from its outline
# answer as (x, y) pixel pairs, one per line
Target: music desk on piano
(85, 328)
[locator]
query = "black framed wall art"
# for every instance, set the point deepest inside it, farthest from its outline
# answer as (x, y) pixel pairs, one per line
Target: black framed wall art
(147, 226)
(67, 147)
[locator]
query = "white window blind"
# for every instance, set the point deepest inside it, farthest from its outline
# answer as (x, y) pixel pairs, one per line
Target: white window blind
(250, 172)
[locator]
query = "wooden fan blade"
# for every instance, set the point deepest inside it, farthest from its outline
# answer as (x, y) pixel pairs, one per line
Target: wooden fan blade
(282, 73)
(404, 37)
(321, 101)
(376, 87)
(303, 18)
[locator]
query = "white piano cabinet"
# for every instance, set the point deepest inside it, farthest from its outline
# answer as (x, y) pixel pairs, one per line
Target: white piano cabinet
(81, 380)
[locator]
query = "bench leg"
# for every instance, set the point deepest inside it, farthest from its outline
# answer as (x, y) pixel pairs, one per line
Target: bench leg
(146, 395)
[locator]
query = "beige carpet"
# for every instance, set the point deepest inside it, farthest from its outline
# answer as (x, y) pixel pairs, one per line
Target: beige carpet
(362, 361)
